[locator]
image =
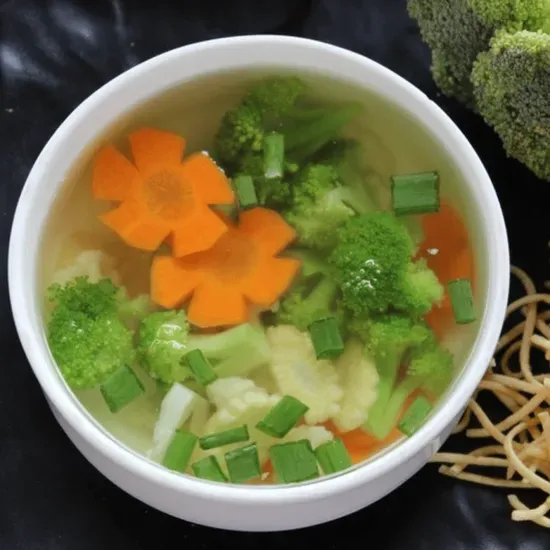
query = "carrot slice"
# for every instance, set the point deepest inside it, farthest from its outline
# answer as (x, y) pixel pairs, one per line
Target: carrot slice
(133, 227)
(209, 182)
(171, 283)
(114, 176)
(236, 274)
(214, 304)
(271, 280)
(151, 148)
(198, 233)
(267, 228)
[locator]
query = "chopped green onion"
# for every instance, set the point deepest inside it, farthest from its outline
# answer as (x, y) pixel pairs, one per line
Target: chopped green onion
(120, 388)
(415, 416)
(208, 468)
(200, 367)
(179, 451)
(246, 192)
(243, 463)
(333, 456)
(415, 193)
(282, 417)
(274, 155)
(219, 439)
(462, 300)
(326, 338)
(294, 461)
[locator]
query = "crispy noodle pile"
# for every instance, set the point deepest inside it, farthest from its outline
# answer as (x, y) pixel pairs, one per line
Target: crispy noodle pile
(520, 446)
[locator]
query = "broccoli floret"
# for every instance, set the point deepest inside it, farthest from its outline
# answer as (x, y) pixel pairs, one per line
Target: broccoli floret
(325, 196)
(375, 269)
(388, 339)
(430, 369)
(243, 128)
(457, 31)
(315, 295)
(87, 334)
(511, 83)
(373, 252)
(420, 289)
(164, 339)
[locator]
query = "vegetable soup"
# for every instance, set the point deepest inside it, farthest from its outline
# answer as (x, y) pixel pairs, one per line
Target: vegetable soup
(259, 278)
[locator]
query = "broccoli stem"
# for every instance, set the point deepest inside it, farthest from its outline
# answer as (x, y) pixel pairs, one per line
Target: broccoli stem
(307, 139)
(324, 294)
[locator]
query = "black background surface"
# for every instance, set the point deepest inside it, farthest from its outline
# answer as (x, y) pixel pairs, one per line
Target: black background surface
(53, 54)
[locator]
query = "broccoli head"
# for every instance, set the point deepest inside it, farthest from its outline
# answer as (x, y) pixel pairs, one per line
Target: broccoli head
(457, 31)
(511, 83)
(374, 267)
(87, 334)
(165, 338)
(315, 295)
(275, 97)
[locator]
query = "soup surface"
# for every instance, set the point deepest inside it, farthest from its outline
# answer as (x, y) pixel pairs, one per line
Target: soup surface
(260, 278)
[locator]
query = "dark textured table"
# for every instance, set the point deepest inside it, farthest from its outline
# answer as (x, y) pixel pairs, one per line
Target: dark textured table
(53, 54)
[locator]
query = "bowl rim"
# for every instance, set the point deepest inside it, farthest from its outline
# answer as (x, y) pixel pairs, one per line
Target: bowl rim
(24, 301)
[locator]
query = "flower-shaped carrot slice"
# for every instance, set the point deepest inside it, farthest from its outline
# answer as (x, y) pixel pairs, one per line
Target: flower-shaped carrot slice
(240, 271)
(160, 195)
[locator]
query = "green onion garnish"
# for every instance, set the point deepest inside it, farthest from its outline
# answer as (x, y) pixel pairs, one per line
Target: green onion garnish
(294, 461)
(120, 388)
(326, 338)
(243, 463)
(282, 417)
(208, 468)
(462, 300)
(333, 456)
(415, 416)
(274, 156)
(179, 451)
(246, 192)
(200, 367)
(415, 193)
(219, 439)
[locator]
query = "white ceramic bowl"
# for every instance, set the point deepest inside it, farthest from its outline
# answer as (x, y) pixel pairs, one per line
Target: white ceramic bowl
(266, 507)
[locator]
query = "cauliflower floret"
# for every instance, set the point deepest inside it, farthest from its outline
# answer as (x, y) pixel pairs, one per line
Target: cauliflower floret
(317, 435)
(359, 379)
(93, 264)
(299, 373)
(239, 401)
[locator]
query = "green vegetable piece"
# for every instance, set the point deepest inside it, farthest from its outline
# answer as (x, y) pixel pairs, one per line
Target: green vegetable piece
(415, 193)
(246, 192)
(462, 300)
(200, 367)
(274, 156)
(243, 464)
(415, 416)
(294, 461)
(282, 417)
(122, 387)
(208, 468)
(326, 338)
(219, 439)
(333, 456)
(179, 451)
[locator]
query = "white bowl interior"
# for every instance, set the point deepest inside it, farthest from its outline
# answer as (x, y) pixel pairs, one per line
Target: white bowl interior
(406, 133)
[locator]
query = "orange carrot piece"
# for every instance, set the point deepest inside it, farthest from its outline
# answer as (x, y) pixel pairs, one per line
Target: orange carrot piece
(135, 228)
(208, 180)
(151, 148)
(273, 278)
(114, 176)
(267, 228)
(214, 304)
(198, 233)
(171, 283)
